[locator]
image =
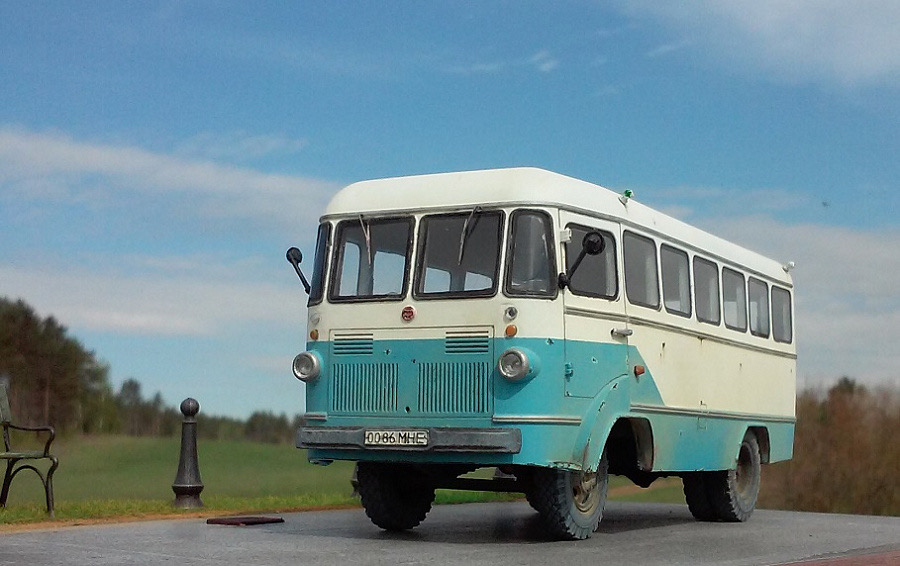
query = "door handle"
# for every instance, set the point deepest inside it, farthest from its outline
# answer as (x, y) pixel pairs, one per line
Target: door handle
(622, 332)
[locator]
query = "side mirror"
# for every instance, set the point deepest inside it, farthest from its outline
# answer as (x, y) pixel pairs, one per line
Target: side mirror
(592, 244)
(294, 257)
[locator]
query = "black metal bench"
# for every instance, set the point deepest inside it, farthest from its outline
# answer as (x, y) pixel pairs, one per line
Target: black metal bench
(15, 458)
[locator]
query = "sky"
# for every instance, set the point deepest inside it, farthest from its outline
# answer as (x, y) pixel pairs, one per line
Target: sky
(158, 158)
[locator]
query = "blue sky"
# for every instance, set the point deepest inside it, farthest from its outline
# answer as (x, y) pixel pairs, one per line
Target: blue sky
(157, 158)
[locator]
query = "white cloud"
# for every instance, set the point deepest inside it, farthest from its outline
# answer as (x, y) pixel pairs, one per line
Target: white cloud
(191, 302)
(667, 48)
(55, 167)
(851, 43)
(543, 61)
(238, 146)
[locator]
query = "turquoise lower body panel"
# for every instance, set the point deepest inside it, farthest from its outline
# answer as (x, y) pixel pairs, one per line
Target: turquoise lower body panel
(565, 410)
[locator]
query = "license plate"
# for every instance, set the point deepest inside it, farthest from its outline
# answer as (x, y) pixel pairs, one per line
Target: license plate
(396, 438)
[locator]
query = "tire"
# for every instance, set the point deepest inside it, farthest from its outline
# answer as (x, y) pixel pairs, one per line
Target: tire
(570, 503)
(696, 497)
(395, 497)
(727, 495)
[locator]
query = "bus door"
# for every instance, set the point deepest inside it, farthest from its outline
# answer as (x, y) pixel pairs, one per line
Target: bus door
(596, 327)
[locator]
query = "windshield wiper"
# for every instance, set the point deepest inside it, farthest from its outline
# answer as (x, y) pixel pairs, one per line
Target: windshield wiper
(468, 227)
(368, 235)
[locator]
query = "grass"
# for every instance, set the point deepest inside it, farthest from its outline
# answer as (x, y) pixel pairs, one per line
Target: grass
(117, 477)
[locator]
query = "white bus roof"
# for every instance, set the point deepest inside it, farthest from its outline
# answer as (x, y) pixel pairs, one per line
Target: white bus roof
(535, 187)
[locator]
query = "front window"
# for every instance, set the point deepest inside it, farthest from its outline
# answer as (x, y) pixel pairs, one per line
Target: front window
(371, 259)
(459, 254)
(316, 287)
(532, 270)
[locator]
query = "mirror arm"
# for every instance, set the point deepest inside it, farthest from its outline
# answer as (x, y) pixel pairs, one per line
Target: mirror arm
(566, 278)
(302, 278)
(294, 257)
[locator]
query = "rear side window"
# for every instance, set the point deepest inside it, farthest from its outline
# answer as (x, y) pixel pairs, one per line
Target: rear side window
(676, 280)
(706, 291)
(758, 295)
(734, 300)
(596, 276)
(641, 276)
(782, 328)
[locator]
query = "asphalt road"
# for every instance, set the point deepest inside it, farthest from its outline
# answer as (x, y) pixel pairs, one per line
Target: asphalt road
(489, 533)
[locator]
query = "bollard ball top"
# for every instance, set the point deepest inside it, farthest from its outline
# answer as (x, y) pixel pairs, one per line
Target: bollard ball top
(190, 407)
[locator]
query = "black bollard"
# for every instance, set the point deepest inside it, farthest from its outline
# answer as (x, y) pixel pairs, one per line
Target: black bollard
(187, 486)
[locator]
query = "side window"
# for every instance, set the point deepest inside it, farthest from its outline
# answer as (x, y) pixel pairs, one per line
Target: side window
(676, 280)
(317, 285)
(640, 270)
(782, 329)
(734, 300)
(596, 276)
(758, 296)
(532, 269)
(706, 291)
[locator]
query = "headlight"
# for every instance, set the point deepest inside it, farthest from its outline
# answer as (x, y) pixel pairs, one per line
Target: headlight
(514, 364)
(306, 366)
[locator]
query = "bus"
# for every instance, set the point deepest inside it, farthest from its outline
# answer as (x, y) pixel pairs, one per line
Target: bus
(550, 329)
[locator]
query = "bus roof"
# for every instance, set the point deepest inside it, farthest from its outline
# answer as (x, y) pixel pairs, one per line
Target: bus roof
(532, 186)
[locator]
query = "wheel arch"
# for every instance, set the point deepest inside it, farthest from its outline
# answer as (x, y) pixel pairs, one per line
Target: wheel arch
(762, 438)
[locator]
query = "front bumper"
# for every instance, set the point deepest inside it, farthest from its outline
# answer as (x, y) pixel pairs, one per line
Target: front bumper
(440, 439)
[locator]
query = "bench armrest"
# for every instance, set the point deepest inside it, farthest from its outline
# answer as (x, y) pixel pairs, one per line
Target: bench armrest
(49, 429)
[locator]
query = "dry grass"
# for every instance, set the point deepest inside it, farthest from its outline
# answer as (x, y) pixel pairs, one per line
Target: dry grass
(846, 455)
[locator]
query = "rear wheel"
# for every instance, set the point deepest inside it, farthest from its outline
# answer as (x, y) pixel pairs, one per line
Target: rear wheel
(570, 502)
(727, 495)
(395, 497)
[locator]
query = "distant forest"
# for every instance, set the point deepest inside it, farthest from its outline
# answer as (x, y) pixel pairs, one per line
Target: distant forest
(53, 379)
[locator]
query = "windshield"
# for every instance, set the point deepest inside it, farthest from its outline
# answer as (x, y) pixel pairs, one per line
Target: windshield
(371, 260)
(459, 254)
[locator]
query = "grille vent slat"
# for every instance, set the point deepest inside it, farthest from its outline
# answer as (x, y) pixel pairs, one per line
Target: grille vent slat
(467, 342)
(347, 344)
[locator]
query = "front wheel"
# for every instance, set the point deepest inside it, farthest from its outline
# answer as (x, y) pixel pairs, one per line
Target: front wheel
(395, 497)
(727, 495)
(570, 502)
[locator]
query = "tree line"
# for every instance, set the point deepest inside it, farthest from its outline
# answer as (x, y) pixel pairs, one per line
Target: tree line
(53, 379)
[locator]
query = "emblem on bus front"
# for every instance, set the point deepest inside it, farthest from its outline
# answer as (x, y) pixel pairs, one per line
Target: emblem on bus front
(408, 313)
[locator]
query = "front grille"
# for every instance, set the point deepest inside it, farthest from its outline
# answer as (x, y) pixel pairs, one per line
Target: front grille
(455, 388)
(365, 388)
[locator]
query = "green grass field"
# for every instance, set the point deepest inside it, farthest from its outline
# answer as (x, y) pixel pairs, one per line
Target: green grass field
(107, 477)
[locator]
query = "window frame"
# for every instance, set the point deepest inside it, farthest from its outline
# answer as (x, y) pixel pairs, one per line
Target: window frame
(317, 286)
(743, 289)
(338, 256)
(574, 241)
(765, 286)
(715, 269)
(662, 276)
(508, 260)
(420, 257)
(790, 313)
(641, 237)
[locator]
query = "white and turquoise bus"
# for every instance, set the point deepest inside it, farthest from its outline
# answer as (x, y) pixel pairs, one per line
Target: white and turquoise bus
(547, 327)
